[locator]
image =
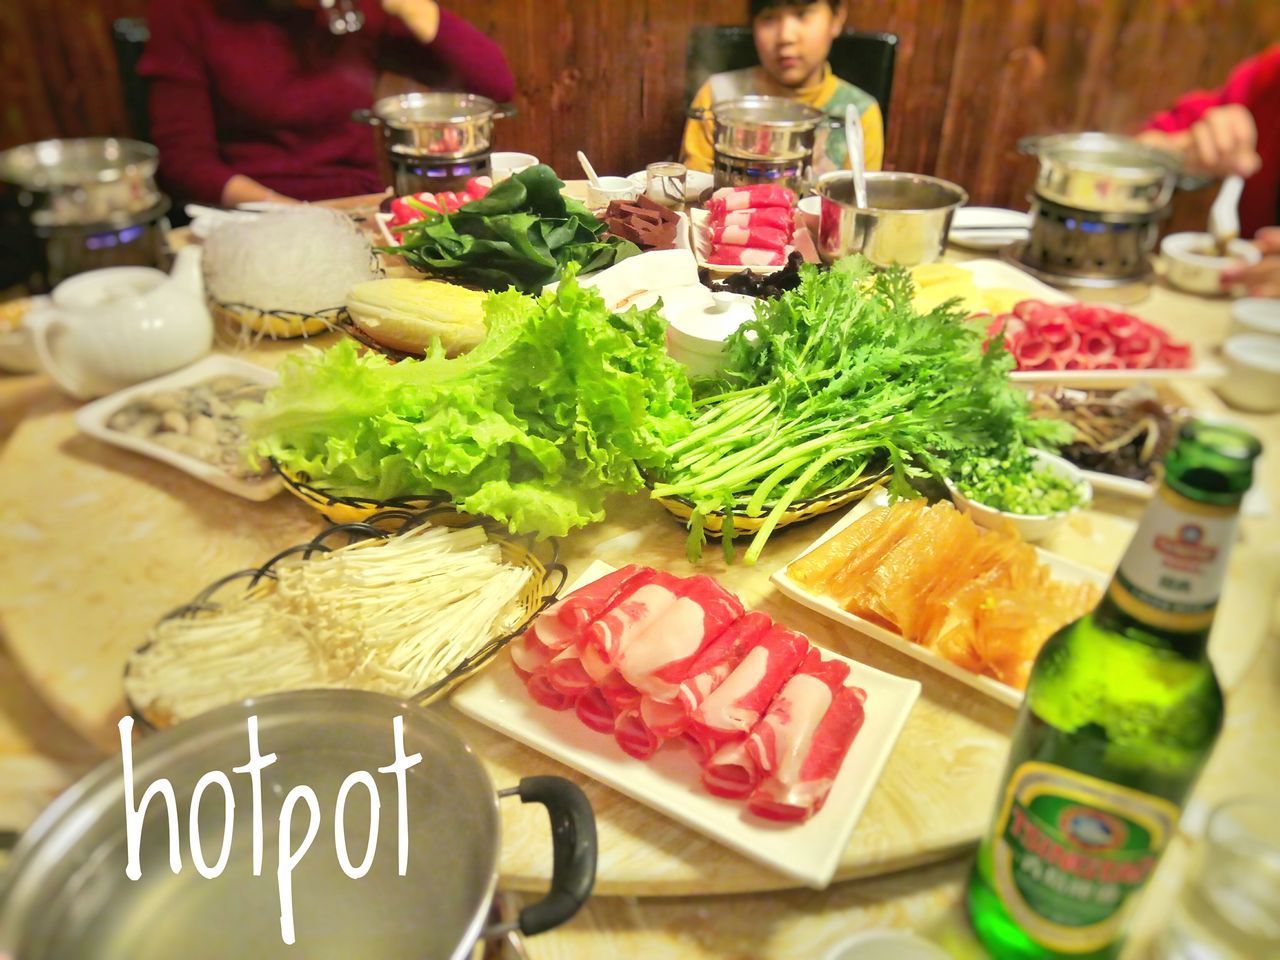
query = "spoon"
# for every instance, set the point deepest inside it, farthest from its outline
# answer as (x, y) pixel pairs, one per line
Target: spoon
(1224, 215)
(590, 170)
(853, 143)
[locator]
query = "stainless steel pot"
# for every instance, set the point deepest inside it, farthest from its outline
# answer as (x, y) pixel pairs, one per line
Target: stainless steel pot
(66, 896)
(906, 220)
(1103, 172)
(97, 182)
(443, 126)
(763, 128)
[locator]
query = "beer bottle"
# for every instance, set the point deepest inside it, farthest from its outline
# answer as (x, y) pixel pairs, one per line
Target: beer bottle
(1121, 711)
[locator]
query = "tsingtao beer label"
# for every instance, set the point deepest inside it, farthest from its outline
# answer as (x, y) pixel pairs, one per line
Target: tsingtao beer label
(1172, 574)
(1071, 850)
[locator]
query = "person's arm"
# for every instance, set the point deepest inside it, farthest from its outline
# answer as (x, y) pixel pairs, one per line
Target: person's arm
(696, 150)
(475, 61)
(182, 122)
(1213, 131)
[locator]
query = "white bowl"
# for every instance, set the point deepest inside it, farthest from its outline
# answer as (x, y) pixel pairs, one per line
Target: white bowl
(810, 213)
(1255, 315)
(1188, 268)
(885, 945)
(696, 334)
(505, 163)
(607, 189)
(1032, 527)
(1253, 373)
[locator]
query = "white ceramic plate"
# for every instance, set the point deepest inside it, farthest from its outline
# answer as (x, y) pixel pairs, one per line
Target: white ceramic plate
(669, 782)
(92, 419)
(988, 228)
(989, 274)
(1062, 568)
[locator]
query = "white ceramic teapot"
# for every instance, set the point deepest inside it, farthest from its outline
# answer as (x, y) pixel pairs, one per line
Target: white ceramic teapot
(107, 329)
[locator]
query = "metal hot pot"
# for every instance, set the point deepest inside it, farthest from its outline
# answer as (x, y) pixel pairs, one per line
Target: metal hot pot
(435, 141)
(1102, 172)
(763, 140)
(89, 203)
(65, 895)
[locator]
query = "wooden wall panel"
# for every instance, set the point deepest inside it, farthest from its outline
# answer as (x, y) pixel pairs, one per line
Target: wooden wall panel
(607, 76)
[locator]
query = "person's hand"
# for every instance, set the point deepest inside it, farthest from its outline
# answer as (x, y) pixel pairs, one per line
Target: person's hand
(422, 17)
(1222, 142)
(1261, 279)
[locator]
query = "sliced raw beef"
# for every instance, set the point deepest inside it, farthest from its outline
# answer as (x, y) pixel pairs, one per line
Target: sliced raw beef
(758, 238)
(718, 658)
(588, 602)
(779, 218)
(728, 199)
(735, 706)
(638, 602)
(633, 736)
(737, 256)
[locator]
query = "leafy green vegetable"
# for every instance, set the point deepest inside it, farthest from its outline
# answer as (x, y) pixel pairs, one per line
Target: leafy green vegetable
(837, 381)
(1019, 483)
(522, 234)
(561, 404)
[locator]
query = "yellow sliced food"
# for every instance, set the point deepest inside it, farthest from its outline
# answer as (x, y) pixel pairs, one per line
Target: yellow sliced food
(927, 274)
(407, 315)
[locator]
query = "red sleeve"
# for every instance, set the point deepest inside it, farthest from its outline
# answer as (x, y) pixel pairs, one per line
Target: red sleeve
(182, 123)
(1243, 86)
(473, 61)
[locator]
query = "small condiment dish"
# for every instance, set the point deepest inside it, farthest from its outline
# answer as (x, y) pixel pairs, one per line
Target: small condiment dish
(1253, 373)
(885, 945)
(607, 189)
(1255, 315)
(504, 163)
(697, 333)
(1191, 266)
(1032, 527)
(810, 213)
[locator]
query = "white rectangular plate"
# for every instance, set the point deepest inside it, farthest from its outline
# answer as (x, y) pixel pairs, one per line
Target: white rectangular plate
(1062, 568)
(988, 274)
(92, 419)
(669, 782)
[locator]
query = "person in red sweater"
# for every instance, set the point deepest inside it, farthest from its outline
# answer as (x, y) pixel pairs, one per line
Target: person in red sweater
(1236, 130)
(251, 99)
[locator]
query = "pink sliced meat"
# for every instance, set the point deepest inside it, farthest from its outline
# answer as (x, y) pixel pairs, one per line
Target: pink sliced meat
(546, 695)
(656, 659)
(730, 255)
(1138, 351)
(590, 600)
(595, 712)
(665, 719)
(1032, 351)
(528, 653)
(1097, 345)
(758, 238)
(565, 674)
(630, 610)
(779, 218)
(594, 663)
(737, 704)
(731, 772)
(1121, 326)
(718, 658)
(633, 736)
(728, 199)
(619, 694)
(801, 742)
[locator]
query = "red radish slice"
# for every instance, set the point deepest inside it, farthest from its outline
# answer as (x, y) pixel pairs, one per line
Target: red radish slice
(1032, 352)
(1122, 325)
(1097, 345)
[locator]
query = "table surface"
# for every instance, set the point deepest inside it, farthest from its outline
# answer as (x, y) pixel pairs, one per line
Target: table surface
(79, 513)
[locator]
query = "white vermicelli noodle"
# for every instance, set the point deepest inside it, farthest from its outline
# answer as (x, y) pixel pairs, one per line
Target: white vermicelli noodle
(302, 260)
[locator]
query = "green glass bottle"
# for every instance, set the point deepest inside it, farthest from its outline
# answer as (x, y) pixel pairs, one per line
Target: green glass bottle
(1122, 710)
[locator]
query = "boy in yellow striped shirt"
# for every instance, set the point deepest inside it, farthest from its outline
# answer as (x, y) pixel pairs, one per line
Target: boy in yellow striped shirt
(793, 39)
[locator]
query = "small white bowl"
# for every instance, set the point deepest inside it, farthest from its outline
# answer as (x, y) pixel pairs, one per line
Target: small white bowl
(1259, 315)
(696, 336)
(1253, 373)
(885, 945)
(810, 214)
(607, 189)
(1188, 268)
(1032, 527)
(505, 163)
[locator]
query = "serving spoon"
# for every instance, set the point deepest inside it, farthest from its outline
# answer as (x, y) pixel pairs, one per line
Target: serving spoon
(857, 162)
(1224, 215)
(590, 170)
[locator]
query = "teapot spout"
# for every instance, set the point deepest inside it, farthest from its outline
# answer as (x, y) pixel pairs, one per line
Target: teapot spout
(186, 272)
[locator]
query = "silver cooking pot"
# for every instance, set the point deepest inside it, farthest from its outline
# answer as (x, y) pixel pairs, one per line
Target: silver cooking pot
(905, 221)
(1103, 172)
(66, 896)
(763, 128)
(98, 182)
(443, 126)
